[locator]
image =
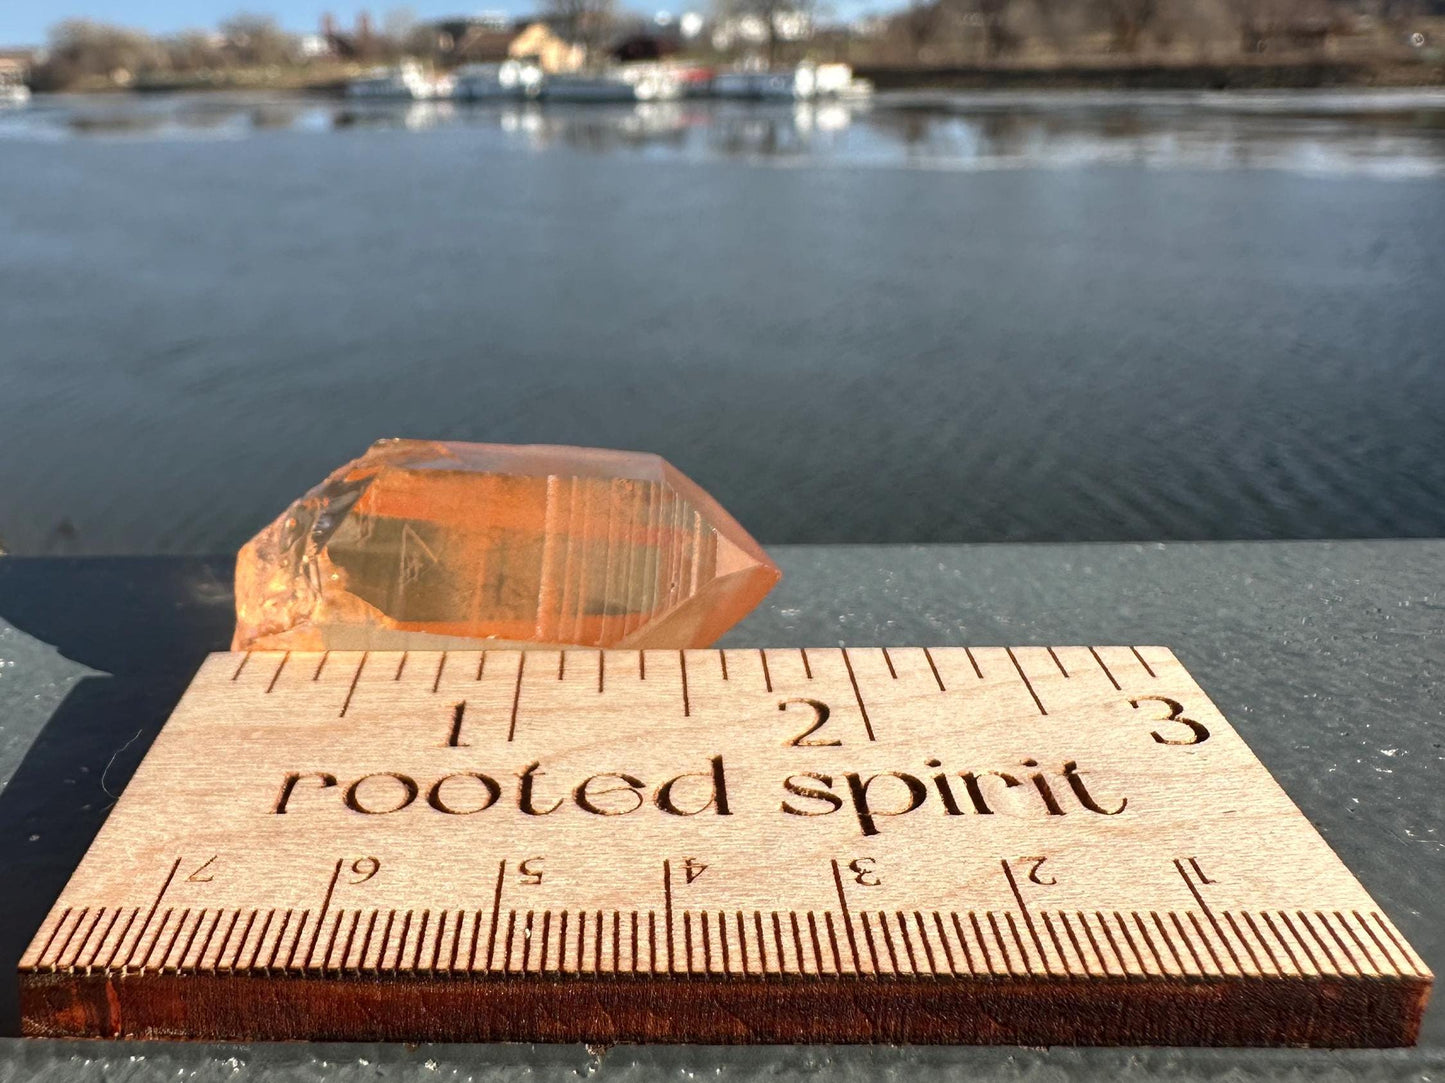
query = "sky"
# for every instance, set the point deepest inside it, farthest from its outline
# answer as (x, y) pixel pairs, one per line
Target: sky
(26, 22)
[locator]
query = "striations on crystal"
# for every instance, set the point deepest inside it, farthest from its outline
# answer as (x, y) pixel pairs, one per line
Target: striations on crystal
(430, 545)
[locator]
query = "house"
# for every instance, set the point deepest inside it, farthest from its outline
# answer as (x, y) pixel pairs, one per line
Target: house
(552, 52)
(482, 39)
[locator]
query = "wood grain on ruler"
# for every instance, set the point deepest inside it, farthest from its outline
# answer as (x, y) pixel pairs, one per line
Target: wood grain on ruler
(1034, 845)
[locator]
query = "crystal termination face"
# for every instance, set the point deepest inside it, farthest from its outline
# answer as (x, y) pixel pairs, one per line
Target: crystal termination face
(430, 545)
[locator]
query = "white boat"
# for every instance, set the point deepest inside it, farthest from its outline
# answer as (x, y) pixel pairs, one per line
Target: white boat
(806, 82)
(406, 81)
(836, 81)
(509, 79)
(756, 85)
(626, 83)
(12, 90)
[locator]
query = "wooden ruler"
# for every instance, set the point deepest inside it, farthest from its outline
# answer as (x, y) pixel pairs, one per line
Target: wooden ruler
(1030, 845)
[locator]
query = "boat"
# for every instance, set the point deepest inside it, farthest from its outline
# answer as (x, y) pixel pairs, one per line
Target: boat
(12, 90)
(624, 83)
(837, 81)
(806, 82)
(407, 81)
(509, 79)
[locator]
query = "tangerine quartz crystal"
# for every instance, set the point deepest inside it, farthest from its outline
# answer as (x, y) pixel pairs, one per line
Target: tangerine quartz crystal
(427, 545)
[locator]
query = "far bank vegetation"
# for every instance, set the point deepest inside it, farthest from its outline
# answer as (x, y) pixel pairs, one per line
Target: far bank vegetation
(939, 35)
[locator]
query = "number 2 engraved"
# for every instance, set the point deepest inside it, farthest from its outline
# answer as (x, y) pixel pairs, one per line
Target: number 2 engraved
(820, 717)
(1034, 871)
(1198, 732)
(197, 878)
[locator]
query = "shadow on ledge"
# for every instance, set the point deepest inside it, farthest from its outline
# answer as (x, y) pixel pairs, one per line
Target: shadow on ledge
(146, 623)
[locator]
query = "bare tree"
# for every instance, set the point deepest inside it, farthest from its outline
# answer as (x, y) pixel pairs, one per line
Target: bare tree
(587, 22)
(256, 39)
(81, 49)
(1129, 20)
(193, 50)
(779, 19)
(998, 37)
(921, 22)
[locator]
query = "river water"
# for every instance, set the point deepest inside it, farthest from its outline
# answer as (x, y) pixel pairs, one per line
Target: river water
(944, 317)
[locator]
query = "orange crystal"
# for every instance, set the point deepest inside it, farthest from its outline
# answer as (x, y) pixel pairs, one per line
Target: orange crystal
(429, 545)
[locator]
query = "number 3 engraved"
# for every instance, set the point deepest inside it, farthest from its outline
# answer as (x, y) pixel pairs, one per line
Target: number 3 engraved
(1198, 732)
(864, 872)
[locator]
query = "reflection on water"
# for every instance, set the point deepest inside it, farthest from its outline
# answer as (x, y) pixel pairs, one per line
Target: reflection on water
(1382, 133)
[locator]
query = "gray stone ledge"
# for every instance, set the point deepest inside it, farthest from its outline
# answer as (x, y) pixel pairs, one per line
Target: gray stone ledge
(1328, 657)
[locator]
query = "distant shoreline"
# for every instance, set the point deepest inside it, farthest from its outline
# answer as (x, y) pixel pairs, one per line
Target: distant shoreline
(1236, 75)
(1224, 75)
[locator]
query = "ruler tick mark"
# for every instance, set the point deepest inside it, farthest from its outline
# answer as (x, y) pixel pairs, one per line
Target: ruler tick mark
(1024, 912)
(682, 668)
(962, 939)
(982, 943)
(1404, 954)
(1024, 677)
(1074, 940)
(321, 916)
(277, 675)
(1144, 662)
(858, 695)
(1149, 942)
(767, 677)
(354, 678)
(943, 942)
(1105, 668)
(496, 913)
(260, 938)
(1204, 906)
(244, 659)
(320, 665)
(1204, 939)
(517, 695)
(667, 901)
(114, 917)
(1058, 944)
(847, 919)
(934, 666)
(1364, 951)
(441, 665)
(226, 940)
(1188, 943)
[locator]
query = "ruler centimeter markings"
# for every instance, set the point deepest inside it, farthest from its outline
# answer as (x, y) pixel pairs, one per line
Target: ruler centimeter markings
(1030, 844)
